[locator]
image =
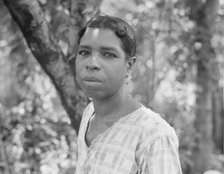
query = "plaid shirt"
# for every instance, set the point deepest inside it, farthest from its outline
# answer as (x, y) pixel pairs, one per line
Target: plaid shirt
(139, 143)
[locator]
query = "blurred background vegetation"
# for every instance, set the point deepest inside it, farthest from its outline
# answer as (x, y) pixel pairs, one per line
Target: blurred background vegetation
(36, 133)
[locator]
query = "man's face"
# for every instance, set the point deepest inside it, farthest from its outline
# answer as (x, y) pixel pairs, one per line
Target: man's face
(101, 65)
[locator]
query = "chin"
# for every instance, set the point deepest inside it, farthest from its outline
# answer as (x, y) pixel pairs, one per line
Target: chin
(97, 95)
(93, 94)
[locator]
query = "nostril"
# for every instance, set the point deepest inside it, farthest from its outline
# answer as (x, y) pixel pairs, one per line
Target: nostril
(91, 67)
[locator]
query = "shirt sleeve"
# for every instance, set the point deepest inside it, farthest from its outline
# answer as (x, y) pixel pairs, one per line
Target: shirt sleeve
(161, 156)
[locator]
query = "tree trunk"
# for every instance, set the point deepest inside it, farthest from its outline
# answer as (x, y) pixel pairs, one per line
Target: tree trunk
(218, 119)
(3, 158)
(30, 19)
(203, 14)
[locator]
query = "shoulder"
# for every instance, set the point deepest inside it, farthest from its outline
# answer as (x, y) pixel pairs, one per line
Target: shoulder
(157, 147)
(154, 127)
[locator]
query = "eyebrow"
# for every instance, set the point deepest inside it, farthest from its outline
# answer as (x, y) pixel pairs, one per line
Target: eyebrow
(84, 46)
(109, 49)
(101, 48)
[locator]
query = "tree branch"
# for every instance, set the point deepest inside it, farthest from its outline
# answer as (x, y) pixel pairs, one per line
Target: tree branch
(30, 18)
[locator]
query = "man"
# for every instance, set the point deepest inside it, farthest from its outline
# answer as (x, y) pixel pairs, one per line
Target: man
(117, 135)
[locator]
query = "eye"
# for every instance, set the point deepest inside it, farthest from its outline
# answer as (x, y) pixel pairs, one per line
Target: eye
(83, 52)
(109, 55)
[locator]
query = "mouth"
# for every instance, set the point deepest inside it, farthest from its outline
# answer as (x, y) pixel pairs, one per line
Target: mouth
(91, 79)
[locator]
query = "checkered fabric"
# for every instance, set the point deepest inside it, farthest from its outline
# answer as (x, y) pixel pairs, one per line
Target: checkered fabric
(138, 143)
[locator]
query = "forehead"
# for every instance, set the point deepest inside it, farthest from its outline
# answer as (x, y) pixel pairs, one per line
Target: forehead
(100, 37)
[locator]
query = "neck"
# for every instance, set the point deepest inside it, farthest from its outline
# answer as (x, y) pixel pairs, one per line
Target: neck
(119, 104)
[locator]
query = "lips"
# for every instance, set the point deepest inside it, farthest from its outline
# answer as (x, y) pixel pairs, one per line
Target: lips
(91, 79)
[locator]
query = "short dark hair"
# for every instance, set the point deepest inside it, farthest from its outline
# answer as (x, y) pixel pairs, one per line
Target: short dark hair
(121, 28)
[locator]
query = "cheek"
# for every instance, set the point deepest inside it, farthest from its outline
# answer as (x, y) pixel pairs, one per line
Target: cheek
(122, 69)
(119, 73)
(78, 65)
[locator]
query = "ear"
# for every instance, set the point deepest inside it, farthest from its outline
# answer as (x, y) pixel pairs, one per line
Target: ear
(131, 61)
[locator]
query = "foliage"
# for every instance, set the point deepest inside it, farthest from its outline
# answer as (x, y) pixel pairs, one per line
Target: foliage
(35, 132)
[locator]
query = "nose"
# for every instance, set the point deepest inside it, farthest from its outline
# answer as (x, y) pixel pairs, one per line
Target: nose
(93, 63)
